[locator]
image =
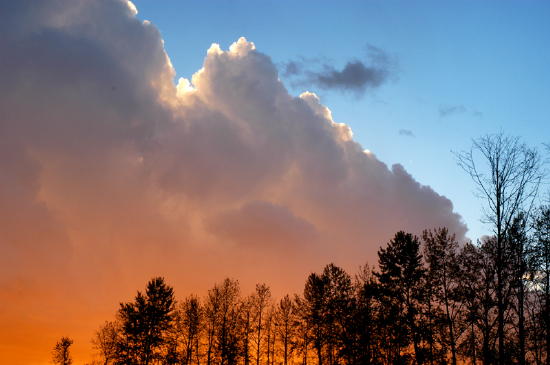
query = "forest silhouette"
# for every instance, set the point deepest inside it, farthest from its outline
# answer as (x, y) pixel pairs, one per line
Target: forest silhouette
(428, 300)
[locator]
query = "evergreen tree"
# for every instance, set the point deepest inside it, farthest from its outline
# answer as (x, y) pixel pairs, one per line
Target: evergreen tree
(400, 279)
(145, 323)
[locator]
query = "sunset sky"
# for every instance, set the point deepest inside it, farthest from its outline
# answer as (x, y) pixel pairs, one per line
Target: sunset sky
(258, 140)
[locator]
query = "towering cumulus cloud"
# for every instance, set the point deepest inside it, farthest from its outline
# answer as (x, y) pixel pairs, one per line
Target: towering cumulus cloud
(111, 173)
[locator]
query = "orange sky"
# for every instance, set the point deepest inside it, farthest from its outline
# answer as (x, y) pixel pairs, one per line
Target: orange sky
(112, 174)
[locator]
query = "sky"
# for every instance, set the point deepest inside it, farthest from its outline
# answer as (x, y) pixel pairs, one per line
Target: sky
(460, 70)
(253, 140)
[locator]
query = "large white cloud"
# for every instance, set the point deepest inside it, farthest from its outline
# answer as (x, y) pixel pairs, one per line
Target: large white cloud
(110, 173)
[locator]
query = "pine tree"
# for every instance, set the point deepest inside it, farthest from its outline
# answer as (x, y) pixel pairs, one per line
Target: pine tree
(145, 323)
(400, 277)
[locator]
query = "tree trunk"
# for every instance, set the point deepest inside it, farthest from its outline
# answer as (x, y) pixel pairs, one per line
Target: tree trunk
(499, 267)
(259, 338)
(474, 350)
(547, 317)
(451, 329)
(285, 344)
(319, 349)
(521, 322)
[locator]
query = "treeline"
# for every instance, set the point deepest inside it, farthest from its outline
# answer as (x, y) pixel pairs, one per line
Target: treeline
(431, 300)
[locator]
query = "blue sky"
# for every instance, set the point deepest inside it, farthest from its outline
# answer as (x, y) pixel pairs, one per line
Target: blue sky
(460, 70)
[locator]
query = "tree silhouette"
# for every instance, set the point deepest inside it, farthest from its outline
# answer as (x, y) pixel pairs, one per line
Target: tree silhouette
(507, 174)
(400, 277)
(223, 323)
(106, 341)
(188, 321)
(313, 311)
(327, 310)
(286, 321)
(541, 258)
(339, 294)
(145, 323)
(260, 301)
(442, 282)
(61, 352)
(302, 339)
(363, 321)
(439, 307)
(246, 312)
(519, 267)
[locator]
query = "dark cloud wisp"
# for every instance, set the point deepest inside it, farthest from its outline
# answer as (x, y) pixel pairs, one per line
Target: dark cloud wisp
(406, 133)
(450, 110)
(356, 76)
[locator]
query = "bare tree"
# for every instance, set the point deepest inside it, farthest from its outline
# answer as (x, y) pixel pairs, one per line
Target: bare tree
(225, 299)
(106, 340)
(261, 300)
(286, 320)
(211, 314)
(476, 290)
(246, 327)
(61, 352)
(270, 334)
(440, 253)
(188, 325)
(303, 328)
(364, 321)
(507, 173)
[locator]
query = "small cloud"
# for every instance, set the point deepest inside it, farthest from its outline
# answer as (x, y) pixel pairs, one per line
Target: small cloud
(378, 56)
(477, 114)
(449, 110)
(356, 76)
(406, 133)
(292, 68)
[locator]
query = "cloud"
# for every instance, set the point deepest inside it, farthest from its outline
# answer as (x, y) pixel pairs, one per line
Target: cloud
(477, 114)
(450, 110)
(265, 224)
(292, 68)
(112, 173)
(356, 76)
(406, 133)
